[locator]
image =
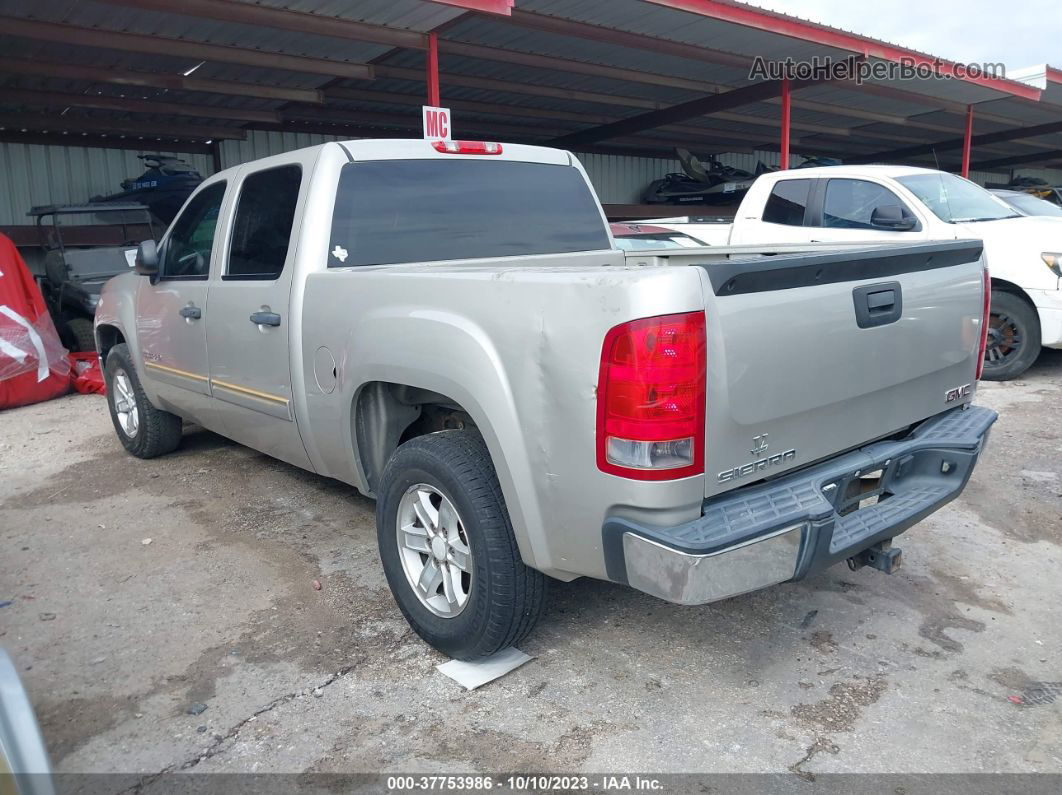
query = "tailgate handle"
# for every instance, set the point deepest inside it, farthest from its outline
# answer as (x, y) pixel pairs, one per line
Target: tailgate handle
(877, 304)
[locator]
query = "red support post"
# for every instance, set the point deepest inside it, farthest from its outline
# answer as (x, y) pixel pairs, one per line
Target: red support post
(966, 141)
(786, 108)
(433, 69)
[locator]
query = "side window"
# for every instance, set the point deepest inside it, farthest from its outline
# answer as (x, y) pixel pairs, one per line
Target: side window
(261, 231)
(187, 250)
(787, 202)
(850, 203)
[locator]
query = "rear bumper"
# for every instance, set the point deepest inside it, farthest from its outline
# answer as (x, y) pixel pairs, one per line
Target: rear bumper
(796, 525)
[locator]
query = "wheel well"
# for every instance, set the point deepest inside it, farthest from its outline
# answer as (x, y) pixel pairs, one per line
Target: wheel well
(106, 338)
(386, 414)
(1002, 285)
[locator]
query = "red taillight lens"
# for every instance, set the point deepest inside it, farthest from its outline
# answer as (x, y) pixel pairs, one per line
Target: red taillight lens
(651, 398)
(467, 147)
(985, 316)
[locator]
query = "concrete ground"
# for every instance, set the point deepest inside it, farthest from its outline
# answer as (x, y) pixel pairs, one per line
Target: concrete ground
(952, 664)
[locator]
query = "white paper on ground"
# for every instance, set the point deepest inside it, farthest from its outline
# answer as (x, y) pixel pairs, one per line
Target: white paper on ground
(471, 675)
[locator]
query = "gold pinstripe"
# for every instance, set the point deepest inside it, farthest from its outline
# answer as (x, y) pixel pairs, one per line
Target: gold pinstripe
(175, 371)
(241, 390)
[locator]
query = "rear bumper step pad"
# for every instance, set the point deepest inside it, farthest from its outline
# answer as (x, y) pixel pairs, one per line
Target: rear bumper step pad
(788, 528)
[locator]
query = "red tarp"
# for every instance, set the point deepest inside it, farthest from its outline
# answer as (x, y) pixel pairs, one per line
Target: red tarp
(33, 363)
(86, 375)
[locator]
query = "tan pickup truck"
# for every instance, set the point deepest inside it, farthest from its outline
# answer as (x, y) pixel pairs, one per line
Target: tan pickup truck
(450, 329)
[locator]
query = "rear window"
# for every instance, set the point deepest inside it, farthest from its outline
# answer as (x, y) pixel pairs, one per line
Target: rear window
(787, 202)
(394, 211)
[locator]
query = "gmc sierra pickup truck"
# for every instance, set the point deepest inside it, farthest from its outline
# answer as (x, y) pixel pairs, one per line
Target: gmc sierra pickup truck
(450, 329)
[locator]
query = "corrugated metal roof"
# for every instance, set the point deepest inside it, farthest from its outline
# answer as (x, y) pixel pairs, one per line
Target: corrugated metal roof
(906, 110)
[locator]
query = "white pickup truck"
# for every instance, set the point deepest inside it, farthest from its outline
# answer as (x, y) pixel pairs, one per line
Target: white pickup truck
(450, 329)
(898, 204)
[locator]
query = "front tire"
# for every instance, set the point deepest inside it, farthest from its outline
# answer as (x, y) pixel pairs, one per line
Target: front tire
(448, 549)
(144, 430)
(1013, 337)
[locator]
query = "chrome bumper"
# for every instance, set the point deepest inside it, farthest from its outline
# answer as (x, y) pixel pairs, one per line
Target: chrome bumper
(787, 528)
(697, 579)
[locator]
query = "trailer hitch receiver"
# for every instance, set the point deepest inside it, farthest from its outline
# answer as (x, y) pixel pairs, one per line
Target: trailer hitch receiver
(882, 556)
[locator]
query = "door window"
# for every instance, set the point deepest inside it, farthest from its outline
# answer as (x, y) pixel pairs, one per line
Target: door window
(788, 202)
(850, 203)
(187, 250)
(261, 230)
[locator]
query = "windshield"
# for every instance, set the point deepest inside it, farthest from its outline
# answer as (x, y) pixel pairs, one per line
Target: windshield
(657, 241)
(1033, 205)
(954, 200)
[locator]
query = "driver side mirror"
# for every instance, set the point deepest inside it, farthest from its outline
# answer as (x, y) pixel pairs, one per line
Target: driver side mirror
(893, 218)
(147, 259)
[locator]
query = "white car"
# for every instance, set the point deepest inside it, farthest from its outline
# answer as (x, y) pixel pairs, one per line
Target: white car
(849, 204)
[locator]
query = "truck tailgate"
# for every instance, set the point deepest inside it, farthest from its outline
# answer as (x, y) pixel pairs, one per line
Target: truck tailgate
(813, 354)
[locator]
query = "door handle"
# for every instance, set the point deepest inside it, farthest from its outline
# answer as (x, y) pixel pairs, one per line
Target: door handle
(191, 312)
(265, 319)
(878, 304)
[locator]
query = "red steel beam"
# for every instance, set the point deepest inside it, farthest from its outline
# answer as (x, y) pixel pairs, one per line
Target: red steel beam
(966, 139)
(786, 111)
(773, 22)
(63, 33)
(433, 69)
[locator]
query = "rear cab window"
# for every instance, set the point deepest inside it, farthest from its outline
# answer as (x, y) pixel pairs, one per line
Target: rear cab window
(788, 202)
(389, 212)
(261, 231)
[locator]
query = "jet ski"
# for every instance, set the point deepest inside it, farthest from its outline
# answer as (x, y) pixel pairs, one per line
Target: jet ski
(163, 187)
(702, 183)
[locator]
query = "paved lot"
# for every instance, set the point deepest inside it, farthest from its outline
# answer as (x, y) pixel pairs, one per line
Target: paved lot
(117, 638)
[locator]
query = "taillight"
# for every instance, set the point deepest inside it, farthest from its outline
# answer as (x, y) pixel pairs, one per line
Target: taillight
(651, 398)
(986, 314)
(467, 147)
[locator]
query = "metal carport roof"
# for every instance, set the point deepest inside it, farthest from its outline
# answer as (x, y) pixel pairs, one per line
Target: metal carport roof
(130, 72)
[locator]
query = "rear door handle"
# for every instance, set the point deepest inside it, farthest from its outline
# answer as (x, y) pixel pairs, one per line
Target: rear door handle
(191, 312)
(265, 319)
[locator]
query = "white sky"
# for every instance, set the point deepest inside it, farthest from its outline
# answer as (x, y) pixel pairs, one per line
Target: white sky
(1017, 32)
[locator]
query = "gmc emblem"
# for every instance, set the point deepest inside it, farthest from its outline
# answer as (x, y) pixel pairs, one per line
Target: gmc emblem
(958, 393)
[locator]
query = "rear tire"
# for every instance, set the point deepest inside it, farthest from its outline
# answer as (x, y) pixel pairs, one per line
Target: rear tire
(1013, 337)
(144, 430)
(493, 600)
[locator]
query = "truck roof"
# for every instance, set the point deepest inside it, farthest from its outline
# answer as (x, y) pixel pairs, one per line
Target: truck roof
(854, 170)
(420, 149)
(415, 149)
